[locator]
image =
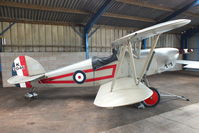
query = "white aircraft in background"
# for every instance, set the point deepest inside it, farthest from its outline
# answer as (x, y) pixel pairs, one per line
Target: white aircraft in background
(121, 76)
(189, 64)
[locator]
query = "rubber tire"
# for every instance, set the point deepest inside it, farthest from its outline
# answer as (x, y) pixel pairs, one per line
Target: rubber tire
(158, 100)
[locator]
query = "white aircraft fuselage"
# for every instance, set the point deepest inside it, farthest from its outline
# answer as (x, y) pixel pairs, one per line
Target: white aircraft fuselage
(83, 74)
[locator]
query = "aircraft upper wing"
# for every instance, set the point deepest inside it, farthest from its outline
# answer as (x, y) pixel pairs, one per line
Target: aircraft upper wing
(189, 64)
(151, 31)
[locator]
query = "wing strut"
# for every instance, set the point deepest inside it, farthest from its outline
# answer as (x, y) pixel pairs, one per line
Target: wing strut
(147, 62)
(123, 90)
(127, 48)
(120, 60)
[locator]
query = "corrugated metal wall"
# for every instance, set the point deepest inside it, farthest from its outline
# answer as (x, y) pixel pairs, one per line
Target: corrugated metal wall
(102, 38)
(52, 38)
(193, 43)
(166, 40)
(38, 38)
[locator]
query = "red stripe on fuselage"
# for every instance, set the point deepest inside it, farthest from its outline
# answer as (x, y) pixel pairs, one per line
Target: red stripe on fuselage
(59, 77)
(25, 70)
(50, 80)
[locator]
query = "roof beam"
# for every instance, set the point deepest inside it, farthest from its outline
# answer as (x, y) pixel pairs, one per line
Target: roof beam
(135, 18)
(4, 19)
(145, 4)
(43, 8)
(92, 21)
(97, 15)
(6, 29)
(180, 11)
(157, 7)
(64, 10)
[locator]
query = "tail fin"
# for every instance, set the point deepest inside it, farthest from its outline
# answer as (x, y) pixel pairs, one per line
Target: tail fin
(25, 66)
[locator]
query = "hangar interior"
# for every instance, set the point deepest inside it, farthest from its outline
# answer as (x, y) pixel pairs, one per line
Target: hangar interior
(58, 33)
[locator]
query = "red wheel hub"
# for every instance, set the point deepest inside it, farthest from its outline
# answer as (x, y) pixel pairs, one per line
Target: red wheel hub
(153, 99)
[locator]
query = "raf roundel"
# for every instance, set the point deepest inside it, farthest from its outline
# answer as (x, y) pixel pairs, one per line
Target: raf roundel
(79, 77)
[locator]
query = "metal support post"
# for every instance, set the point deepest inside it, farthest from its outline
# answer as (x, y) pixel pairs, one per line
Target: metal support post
(144, 43)
(91, 22)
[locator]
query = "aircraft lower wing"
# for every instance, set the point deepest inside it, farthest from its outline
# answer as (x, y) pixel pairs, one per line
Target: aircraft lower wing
(125, 92)
(22, 79)
(189, 64)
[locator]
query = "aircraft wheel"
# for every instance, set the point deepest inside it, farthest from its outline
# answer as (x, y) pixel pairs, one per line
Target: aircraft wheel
(153, 100)
(31, 95)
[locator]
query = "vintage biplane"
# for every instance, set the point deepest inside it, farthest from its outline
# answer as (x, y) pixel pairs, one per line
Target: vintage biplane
(121, 76)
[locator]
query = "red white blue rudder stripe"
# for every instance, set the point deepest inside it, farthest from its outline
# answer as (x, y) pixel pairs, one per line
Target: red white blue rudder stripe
(20, 68)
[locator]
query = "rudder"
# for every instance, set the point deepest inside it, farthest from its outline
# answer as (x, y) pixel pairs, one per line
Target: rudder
(26, 66)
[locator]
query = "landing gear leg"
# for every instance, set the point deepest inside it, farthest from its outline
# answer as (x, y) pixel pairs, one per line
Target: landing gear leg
(31, 95)
(151, 101)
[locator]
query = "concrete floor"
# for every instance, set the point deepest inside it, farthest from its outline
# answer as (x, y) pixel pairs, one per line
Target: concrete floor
(71, 110)
(182, 120)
